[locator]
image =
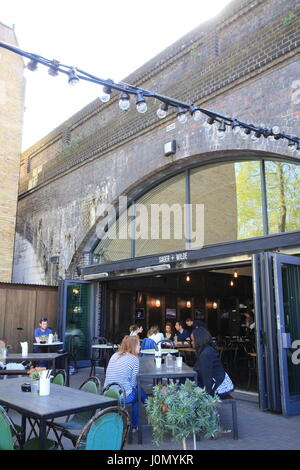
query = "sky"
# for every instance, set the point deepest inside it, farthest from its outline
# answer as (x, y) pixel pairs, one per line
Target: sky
(107, 39)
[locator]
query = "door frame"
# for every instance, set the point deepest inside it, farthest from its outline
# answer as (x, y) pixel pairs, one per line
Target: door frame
(290, 405)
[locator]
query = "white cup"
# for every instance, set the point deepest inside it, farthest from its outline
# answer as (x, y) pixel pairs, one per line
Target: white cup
(179, 361)
(50, 338)
(44, 387)
(158, 362)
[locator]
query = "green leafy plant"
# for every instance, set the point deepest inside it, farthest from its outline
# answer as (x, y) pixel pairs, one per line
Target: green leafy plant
(34, 373)
(289, 18)
(181, 411)
(6, 345)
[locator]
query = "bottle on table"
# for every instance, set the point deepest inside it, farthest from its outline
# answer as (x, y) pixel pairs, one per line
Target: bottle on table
(169, 360)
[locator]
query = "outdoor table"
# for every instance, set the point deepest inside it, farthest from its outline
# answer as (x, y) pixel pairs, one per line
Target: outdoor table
(148, 370)
(48, 346)
(109, 349)
(62, 401)
(41, 357)
(188, 353)
(162, 351)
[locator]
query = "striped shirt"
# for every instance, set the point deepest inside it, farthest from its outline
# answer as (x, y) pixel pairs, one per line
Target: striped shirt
(122, 369)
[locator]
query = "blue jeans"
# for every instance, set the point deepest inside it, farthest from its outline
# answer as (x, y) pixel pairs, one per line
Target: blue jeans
(133, 398)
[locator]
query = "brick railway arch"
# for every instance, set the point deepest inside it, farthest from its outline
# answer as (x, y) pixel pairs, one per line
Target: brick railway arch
(155, 178)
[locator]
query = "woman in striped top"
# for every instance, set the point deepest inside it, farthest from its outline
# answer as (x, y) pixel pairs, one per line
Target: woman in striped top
(123, 368)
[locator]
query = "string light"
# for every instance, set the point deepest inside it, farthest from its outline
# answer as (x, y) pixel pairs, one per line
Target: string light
(73, 77)
(124, 102)
(239, 128)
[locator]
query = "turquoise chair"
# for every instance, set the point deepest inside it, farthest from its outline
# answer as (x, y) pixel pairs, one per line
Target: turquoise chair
(10, 438)
(107, 430)
(73, 425)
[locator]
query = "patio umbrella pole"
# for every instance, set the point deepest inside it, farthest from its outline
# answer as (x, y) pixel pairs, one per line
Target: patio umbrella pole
(184, 443)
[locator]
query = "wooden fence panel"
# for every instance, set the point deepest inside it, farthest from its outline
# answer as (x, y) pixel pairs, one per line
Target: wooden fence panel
(21, 307)
(20, 313)
(46, 306)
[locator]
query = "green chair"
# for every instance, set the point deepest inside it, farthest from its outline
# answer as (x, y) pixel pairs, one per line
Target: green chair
(60, 377)
(107, 430)
(10, 438)
(72, 426)
(116, 391)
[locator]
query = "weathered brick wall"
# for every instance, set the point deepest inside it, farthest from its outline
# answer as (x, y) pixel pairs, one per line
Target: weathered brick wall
(11, 116)
(254, 76)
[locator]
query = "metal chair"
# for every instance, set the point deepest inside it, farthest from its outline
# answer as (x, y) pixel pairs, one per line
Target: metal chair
(99, 357)
(107, 430)
(74, 345)
(11, 438)
(167, 342)
(70, 428)
(231, 401)
(117, 391)
(60, 377)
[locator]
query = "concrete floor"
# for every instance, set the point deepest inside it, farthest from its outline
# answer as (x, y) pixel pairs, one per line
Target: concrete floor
(258, 430)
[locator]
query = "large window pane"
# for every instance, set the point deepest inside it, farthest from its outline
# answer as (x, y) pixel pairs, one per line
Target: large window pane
(163, 230)
(283, 196)
(117, 243)
(231, 195)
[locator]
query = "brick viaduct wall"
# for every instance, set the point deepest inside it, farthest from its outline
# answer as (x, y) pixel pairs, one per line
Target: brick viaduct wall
(11, 117)
(243, 63)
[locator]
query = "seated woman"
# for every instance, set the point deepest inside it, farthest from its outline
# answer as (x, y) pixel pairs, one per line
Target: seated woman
(123, 368)
(155, 334)
(210, 371)
(169, 331)
(135, 330)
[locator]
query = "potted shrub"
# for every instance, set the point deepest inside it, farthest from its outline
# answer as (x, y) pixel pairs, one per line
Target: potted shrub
(181, 411)
(34, 374)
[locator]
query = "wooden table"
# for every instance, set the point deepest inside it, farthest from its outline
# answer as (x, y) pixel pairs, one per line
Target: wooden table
(62, 401)
(148, 370)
